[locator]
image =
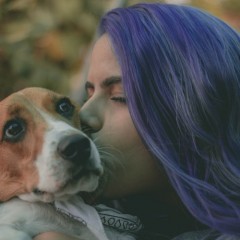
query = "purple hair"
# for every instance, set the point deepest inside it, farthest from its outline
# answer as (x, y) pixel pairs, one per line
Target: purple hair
(181, 74)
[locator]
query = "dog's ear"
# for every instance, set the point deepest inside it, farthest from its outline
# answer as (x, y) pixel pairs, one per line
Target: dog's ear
(18, 175)
(10, 184)
(9, 190)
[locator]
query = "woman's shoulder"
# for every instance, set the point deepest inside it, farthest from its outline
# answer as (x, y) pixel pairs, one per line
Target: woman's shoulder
(158, 221)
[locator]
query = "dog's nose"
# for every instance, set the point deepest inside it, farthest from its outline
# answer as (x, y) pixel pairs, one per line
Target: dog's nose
(75, 148)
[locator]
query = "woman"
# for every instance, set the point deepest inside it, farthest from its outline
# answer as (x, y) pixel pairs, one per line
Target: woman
(163, 107)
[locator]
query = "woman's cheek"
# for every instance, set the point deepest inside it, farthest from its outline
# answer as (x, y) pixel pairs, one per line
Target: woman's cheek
(122, 136)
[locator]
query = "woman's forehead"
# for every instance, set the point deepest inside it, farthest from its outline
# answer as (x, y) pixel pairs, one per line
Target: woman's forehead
(103, 47)
(103, 62)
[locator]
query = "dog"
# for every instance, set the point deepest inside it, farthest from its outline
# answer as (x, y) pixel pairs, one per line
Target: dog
(44, 157)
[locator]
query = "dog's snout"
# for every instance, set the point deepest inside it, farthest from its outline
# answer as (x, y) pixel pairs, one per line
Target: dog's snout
(75, 148)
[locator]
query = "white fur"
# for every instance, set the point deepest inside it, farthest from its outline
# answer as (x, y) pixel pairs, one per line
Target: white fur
(22, 220)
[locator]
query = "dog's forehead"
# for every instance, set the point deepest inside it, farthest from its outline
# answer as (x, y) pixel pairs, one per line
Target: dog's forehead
(39, 96)
(28, 100)
(30, 97)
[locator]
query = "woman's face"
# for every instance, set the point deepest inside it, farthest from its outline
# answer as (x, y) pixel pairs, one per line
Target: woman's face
(132, 168)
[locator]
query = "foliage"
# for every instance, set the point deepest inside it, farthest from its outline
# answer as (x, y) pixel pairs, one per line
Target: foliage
(43, 42)
(228, 10)
(232, 5)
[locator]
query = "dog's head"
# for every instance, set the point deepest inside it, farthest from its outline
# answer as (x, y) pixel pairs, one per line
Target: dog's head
(43, 154)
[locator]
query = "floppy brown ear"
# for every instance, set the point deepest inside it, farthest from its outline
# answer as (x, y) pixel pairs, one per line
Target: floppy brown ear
(9, 190)
(11, 181)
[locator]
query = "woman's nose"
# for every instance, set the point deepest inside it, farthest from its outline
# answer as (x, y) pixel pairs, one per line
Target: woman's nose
(91, 116)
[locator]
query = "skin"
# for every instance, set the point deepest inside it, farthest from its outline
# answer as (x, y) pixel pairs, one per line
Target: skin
(54, 236)
(106, 114)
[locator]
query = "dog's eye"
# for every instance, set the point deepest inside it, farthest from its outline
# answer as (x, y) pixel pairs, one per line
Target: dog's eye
(65, 107)
(14, 130)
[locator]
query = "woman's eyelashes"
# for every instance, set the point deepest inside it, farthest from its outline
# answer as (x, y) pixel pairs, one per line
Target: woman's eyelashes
(119, 99)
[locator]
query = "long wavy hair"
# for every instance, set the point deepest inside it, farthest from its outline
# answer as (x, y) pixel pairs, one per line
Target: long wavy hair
(181, 75)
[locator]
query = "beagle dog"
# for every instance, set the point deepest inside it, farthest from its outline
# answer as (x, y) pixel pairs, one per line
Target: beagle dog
(44, 157)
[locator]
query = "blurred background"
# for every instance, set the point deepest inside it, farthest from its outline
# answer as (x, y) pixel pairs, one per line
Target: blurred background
(46, 42)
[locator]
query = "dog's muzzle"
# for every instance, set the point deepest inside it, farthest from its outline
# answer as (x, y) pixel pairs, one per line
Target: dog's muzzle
(75, 148)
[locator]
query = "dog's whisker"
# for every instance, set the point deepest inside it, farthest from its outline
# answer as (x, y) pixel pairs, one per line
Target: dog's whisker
(111, 160)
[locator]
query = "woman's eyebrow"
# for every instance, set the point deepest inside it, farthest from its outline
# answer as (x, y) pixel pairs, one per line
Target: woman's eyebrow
(106, 82)
(111, 81)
